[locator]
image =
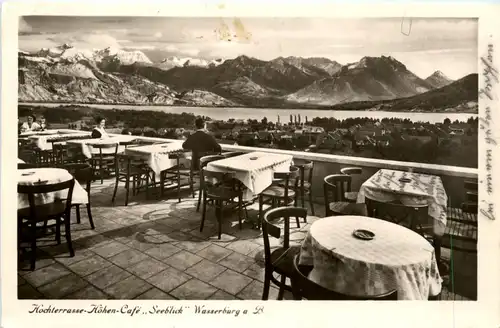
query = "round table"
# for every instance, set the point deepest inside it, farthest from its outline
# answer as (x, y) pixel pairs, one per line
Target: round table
(396, 258)
(50, 175)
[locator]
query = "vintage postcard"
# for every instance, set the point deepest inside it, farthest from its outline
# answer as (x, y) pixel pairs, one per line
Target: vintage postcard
(218, 164)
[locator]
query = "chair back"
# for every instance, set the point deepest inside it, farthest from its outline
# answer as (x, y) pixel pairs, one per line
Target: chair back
(303, 287)
(197, 155)
(32, 190)
(106, 146)
(351, 170)
(82, 173)
(271, 228)
(127, 143)
(414, 217)
(60, 152)
(471, 197)
(210, 158)
(290, 179)
(306, 170)
(233, 154)
(335, 186)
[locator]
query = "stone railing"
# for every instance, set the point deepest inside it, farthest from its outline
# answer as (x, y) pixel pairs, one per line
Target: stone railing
(453, 177)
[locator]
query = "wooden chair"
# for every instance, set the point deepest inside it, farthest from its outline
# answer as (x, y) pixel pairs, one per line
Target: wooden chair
(104, 162)
(279, 260)
(216, 187)
(26, 150)
(82, 173)
(59, 211)
(203, 163)
(304, 182)
(59, 153)
(303, 287)
(334, 188)
(351, 196)
(461, 228)
(175, 174)
(125, 170)
(282, 194)
(414, 217)
(43, 158)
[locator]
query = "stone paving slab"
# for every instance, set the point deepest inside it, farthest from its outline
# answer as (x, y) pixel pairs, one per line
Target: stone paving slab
(153, 249)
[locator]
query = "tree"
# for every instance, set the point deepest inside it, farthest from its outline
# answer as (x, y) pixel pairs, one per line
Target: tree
(264, 121)
(447, 121)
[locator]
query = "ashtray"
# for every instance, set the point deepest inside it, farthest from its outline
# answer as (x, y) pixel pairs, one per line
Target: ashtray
(405, 180)
(363, 234)
(27, 173)
(253, 158)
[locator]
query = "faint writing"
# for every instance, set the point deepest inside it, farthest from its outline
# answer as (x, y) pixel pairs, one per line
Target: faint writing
(486, 124)
(489, 170)
(490, 74)
(488, 211)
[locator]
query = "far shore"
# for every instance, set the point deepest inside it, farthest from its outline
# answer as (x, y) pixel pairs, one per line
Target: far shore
(89, 105)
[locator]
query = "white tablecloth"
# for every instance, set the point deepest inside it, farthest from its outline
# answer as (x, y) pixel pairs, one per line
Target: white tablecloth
(157, 156)
(51, 175)
(43, 142)
(86, 148)
(32, 133)
(384, 186)
(397, 258)
(256, 174)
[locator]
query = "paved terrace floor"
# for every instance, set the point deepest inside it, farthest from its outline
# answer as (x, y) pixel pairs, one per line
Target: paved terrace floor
(152, 249)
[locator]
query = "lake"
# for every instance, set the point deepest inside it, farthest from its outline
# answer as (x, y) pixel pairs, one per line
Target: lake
(272, 114)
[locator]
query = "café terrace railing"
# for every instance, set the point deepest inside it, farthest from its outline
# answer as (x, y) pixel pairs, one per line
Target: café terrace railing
(453, 177)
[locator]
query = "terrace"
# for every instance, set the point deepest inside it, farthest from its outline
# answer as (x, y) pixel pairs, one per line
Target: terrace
(153, 249)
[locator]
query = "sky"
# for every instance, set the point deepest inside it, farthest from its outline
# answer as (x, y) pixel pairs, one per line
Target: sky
(424, 45)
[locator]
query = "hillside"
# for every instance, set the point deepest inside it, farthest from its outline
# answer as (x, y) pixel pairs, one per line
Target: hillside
(79, 78)
(371, 78)
(458, 96)
(68, 74)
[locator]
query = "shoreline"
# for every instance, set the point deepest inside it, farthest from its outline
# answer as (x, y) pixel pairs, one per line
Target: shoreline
(89, 105)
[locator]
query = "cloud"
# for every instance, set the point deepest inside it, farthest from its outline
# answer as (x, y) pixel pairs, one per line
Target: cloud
(183, 49)
(158, 35)
(139, 47)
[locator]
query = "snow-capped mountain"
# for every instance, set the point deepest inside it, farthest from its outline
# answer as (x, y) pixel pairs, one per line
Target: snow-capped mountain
(438, 79)
(66, 73)
(171, 62)
(69, 53)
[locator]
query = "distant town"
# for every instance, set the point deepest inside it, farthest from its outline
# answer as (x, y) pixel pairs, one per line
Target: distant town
(447, 143)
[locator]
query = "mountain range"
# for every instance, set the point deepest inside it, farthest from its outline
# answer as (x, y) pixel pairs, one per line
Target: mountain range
(67, 74)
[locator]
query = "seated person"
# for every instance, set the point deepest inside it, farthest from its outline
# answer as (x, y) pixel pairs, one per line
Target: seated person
(43, 124)
(200, 142)
(30, 125)
(98, 131)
